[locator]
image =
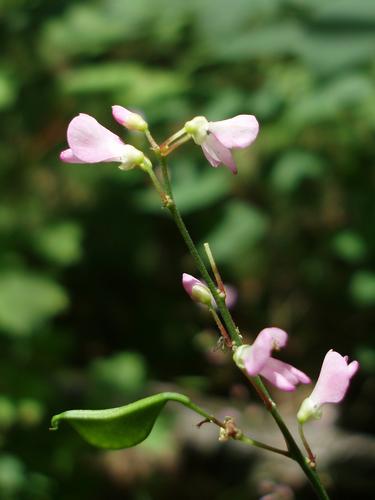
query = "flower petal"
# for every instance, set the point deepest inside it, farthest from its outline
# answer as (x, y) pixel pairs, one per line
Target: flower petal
(260, 352)
(216, 153)
(284, 376)
(237, 132)
(67, 156)
(334, 379)
(90, 142)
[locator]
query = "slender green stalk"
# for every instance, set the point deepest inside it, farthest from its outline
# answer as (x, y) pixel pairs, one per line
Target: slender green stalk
(214, 268)
(232, 431)
(221, 327)
(258, 444)
(310, 454)
(293, 449)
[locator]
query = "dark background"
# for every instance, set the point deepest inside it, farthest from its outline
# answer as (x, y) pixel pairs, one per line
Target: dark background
(92, 312)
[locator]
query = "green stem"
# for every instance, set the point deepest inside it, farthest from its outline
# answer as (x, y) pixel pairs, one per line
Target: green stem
(238, 435)
(220, 301)
(310, 454)
(258, 444)
(293, 449)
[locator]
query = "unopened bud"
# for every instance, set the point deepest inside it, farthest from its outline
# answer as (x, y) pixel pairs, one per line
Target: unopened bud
(128, 119)
(197, 290)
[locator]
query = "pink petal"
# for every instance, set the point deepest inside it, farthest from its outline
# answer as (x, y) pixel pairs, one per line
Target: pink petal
(284, 376)
(91, 142)
(334, 379)
(260, 352)
(216, 153)
(237, 132)
(352, 368)
(67, 156)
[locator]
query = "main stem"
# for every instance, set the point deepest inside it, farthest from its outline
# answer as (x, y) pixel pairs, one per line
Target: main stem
(293, 449)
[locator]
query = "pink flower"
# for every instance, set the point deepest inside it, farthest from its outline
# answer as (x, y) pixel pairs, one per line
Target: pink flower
(128, 119)
(90, 142)
(197, 290)
(218, 138)
(331, 387)
(256, 360)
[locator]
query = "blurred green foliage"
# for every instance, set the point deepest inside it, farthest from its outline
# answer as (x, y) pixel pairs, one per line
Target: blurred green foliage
(91, 305)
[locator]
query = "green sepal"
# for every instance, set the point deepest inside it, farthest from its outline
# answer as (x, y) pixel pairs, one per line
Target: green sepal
(121, 427)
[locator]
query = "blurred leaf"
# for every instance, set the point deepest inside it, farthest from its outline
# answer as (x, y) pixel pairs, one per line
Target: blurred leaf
(349, 246)
(8, 413)
(347, 11)
(7, 91)
(325, 103)
(193, 189)
(122, 427)
(128, 79)
(12, 476)
(366, 358)
(124, 372)
(30, 412)
(329, 53)
(60, 243)
(83, 29)
(292, 168)
(282, 38)
(240, 228)
(362, 288)
(27, 300)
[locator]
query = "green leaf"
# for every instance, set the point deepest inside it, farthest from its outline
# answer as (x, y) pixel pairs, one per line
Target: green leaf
(292, 168)
(121, 427)
(240, 229)
(60, 243)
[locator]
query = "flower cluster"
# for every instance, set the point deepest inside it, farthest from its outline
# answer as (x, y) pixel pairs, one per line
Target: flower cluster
(90, 142)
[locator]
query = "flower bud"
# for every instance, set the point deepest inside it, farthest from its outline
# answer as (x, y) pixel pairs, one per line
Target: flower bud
(197, 290)
(128, 119)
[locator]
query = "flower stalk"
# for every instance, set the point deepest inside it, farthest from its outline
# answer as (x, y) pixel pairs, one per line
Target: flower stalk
(294, 451)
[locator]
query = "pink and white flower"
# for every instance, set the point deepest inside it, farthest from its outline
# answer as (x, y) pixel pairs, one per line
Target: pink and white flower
(331, 387)
(256, 360)
(219, 138)
(90, 142)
